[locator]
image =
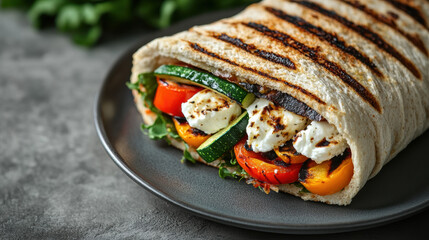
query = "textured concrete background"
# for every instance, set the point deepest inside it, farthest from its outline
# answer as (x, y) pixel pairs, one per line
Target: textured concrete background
(57, 182)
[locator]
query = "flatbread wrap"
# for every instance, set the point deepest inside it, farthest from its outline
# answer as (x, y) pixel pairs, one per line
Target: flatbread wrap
(351, 74)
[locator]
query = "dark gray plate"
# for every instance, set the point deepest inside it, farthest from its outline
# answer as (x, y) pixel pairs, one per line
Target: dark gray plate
(400, 190)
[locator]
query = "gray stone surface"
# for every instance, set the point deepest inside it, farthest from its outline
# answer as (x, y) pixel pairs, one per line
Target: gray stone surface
(56, 181)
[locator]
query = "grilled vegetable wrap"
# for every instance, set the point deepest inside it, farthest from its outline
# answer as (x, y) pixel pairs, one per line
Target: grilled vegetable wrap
(362, 66)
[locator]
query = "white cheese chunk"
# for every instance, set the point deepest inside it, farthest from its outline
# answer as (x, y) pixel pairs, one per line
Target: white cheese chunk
(209, 111)
(271, 126)
(320, 142)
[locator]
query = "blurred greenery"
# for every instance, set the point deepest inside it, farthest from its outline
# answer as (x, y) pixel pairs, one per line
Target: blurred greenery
(87, 20)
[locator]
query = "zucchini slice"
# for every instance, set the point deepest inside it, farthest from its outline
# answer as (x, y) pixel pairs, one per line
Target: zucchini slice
(191, 76)
(215, 146)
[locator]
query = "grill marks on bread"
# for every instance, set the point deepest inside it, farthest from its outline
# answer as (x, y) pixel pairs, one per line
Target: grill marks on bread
(207, 52)
(250, 48)
(318, 59)
(410, 10)
(388, 20)
(331, 38)
(365, 32)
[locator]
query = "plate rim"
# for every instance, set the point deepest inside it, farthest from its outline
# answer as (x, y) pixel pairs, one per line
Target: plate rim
(221, 218)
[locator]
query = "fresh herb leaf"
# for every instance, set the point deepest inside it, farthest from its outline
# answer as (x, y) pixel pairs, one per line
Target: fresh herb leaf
(148, 80)
(187, 155)
(167, 10)
(69, 18)
(231, 161)
(88, 36)
(171, 129)
(229, 158)
(237, 173)
(157, 130)
(43, 8)
(134, 86)
(163, 126)
(224, 172)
